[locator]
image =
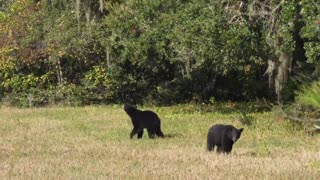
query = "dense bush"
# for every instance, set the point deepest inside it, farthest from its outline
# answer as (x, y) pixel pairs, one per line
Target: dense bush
(160, 51)
(310, 95)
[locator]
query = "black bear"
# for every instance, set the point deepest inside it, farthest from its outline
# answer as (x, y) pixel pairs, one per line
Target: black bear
(222, 136)
(143, 119)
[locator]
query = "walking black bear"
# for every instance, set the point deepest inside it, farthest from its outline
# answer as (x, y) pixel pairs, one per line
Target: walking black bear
(143, 119)
(222, 136)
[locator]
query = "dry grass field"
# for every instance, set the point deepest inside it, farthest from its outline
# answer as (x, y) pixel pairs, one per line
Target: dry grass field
(93, 143)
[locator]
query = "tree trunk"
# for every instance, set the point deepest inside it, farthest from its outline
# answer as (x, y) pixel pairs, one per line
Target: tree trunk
(108, 58)
(283, 70)
(59, 72)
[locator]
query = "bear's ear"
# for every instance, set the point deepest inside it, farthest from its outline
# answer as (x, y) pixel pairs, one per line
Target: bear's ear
(240, 130)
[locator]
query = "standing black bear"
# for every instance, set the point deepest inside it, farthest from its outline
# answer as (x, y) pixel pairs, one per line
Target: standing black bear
(222, 136)
(143, 119)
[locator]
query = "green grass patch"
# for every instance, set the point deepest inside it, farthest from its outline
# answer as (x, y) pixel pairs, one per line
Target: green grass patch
(93, 142)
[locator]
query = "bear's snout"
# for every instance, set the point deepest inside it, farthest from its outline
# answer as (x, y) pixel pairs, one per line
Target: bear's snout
(234, 139)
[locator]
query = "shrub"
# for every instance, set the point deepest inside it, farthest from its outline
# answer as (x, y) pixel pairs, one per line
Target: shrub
(310, 95)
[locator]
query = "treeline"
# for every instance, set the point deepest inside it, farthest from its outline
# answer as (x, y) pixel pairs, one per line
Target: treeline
(161, 51)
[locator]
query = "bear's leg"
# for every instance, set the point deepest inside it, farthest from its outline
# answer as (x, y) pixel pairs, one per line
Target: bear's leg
(219, 149)
(151, 133)
(159, 132)
(210, 141)
(210, 146)
(133, 132)
(140, 133)
(226, 148)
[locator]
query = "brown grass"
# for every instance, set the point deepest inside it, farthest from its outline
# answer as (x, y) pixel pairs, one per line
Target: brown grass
(93, 143)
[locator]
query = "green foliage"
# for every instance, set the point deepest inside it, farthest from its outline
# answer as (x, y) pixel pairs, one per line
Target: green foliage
(156, 52)
(95, 86)
(139, 50)
(185, 47)
(305, 112)
(287, 26)
(311, 30)
(310, 95)
(247, 120)
(64, 94)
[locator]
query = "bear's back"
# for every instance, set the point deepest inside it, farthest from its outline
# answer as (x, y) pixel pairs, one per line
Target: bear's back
(219, 131)
(221, 128)
(147, 118)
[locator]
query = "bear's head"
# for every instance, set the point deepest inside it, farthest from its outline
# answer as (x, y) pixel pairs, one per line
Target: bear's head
(236, 133)
(129, 108)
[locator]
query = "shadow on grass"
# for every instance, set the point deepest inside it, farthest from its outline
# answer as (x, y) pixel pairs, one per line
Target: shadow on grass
(175, 135)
